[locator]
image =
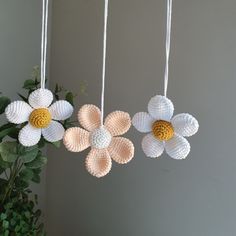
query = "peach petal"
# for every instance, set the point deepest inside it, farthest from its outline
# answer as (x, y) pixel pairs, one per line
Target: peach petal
(76, 139)
(121, 150)
(89, 117)
(98, 162)
(118, 123)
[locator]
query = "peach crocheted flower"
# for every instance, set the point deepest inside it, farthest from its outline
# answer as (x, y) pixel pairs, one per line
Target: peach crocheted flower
(105, 145)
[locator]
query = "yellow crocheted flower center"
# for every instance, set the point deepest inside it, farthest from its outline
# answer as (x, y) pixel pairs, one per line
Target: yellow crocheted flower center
(40, 118)
(162, 130)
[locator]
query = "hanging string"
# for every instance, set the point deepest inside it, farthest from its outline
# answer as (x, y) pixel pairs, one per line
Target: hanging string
(44, 42)
(104, 60)
(168, 36)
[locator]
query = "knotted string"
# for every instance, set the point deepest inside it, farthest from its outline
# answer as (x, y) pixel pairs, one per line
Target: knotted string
(104, 60)
(168, 34)
(44, 42)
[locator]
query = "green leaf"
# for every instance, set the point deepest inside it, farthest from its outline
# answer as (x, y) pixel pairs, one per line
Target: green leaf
(6, 130)
(22, 182)
(8, 151)
(26, 174)
(1, 170)
(6, 233)
(29, 154)
(3, 216)
(29, 84)
(5, 224)
(56, 88)
(70, 98)
(38, 162)
(41, 143)
(12, 222)
(25, 99)
(4, 102)
(57, 144)
(4, 164)
(36, 178)
(3, 183)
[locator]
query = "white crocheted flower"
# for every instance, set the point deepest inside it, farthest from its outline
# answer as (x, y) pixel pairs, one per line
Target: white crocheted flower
(41, 116)
(164, 131)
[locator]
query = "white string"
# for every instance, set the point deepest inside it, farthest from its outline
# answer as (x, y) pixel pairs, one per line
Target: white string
(44, 42)
(168, 36)
(104, 60)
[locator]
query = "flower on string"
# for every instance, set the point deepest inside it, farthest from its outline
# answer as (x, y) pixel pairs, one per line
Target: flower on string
(105, 145)
(42, 117)
(164, 131)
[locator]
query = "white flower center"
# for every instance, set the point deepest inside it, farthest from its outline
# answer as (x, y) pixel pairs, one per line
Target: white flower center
(100, 138)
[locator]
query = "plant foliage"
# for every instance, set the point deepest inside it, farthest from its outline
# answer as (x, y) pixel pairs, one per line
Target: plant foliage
(20, 166)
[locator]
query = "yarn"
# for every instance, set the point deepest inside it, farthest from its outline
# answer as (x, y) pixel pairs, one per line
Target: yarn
(162, 130)
(40, 118)
(165, 133)
(105, 146)
(40, 115)
(100, 138)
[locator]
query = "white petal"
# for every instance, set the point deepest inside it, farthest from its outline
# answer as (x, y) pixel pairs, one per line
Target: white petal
(18, 112)
(61, 110)
(41, 98)
(152, 147)
(161, 108)
(29, 136)
(54, 132)
(142, 121)
(185, 124)
(178, 147)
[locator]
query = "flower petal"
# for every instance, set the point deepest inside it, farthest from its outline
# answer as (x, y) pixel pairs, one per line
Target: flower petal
(54, 132)
(142, 121)
(29, 136)
(118, 123)
(18, 112)
(121, 150)
(161, 108)
(41, 98)
(178, 147)
(152, 147)
(89, 117)
(76, 139)
(98, 162)
(185, 124)
(61, 110)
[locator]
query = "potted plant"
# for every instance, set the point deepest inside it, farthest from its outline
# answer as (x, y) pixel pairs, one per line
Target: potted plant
(19, 166)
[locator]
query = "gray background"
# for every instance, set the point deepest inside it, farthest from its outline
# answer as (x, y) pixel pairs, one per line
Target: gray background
(149, 197)
(194, 197)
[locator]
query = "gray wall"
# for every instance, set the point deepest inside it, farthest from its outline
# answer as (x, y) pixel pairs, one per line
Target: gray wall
(149, 197)
(20, 26)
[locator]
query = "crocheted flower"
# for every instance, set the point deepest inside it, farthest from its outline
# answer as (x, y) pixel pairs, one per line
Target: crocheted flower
(164, 131)
(41, 116)
(105, 145)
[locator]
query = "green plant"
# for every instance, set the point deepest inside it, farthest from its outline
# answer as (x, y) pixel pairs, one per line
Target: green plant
(19, 217)
(19, 166)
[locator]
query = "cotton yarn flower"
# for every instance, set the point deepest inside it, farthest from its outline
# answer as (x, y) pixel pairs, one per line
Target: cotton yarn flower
(41, 116)
(103, 140)
(164, 131)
